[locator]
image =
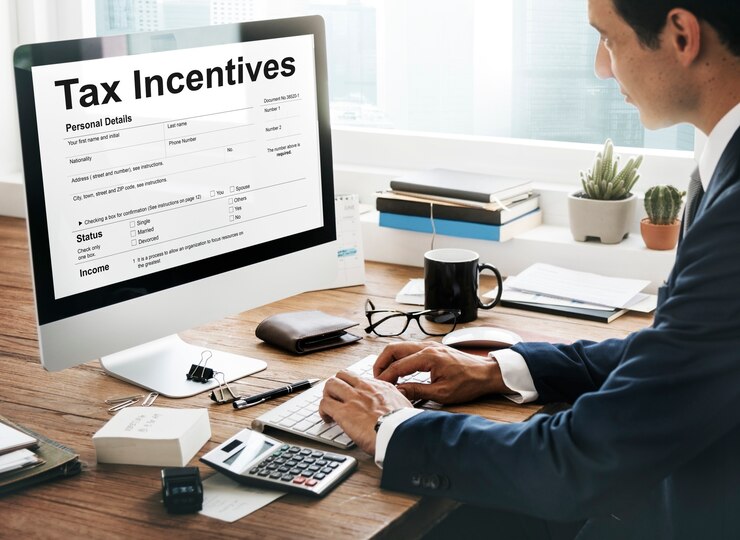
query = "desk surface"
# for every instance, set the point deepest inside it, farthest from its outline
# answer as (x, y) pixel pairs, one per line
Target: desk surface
(109, 501)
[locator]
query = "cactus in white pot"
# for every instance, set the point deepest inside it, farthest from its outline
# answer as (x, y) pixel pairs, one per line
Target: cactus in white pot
(605, 208)
(604, 182)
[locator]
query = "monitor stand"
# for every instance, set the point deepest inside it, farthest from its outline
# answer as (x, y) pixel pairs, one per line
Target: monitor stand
(163, 365)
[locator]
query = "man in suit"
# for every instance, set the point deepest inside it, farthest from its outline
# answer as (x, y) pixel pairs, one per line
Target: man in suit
(650, 446)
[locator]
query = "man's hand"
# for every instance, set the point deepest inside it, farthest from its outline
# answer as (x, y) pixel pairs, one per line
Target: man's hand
(456, 377)
(356, 404)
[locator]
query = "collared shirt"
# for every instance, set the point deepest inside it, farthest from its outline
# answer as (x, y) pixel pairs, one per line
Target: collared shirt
(514, 370)
(718, 140)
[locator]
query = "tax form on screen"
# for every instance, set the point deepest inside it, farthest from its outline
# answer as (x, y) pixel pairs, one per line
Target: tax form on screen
(151, 161)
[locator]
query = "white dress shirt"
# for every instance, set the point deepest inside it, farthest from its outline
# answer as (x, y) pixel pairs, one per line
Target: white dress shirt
(514, 370)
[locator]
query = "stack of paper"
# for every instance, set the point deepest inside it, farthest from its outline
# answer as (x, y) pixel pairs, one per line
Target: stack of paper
(551, 289)
(14, 453)
(153, 436)
(12, 439)
(412, 293)
(17, 460)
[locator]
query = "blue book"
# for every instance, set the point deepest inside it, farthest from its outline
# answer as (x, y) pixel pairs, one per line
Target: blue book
(463, 229)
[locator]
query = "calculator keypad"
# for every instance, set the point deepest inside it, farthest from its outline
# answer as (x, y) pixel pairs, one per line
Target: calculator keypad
(297, 465)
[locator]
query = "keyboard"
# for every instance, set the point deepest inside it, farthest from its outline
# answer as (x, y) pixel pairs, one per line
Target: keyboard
(300, 414)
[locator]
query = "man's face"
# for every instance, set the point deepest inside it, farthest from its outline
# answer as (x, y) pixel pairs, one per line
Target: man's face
(647, 77)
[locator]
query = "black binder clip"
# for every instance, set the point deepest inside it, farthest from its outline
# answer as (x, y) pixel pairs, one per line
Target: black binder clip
(223, 394)
(199, 372)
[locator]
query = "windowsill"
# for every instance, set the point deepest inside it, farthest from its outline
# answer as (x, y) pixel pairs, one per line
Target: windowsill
(546, 243)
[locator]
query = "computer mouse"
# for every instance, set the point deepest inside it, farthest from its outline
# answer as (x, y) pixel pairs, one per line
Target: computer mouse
(487, 337)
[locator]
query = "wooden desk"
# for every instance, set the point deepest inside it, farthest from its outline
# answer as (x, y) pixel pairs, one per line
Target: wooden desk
(111, 501)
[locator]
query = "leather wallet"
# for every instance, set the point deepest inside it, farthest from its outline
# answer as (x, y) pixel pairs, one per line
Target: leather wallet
(303, 332)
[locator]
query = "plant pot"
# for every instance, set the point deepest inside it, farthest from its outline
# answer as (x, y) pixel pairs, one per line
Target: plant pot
(660, 237)
(607, 221)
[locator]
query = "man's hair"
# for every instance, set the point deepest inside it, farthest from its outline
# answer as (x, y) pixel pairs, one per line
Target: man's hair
(648, 18)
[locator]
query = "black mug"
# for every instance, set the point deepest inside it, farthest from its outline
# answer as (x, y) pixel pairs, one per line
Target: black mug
(451, 282)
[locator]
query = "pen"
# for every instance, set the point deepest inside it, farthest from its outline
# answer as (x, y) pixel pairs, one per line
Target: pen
(243, 403)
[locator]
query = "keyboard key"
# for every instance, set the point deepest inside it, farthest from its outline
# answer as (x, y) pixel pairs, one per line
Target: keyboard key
(335, 457)
(343, 439)
(331, 433)
(319, 428)
(304, 425)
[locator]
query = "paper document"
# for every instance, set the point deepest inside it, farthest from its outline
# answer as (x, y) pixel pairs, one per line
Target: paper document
(583, 286)
(536, 298)
(351, 261)
(228, 500)
(18, 460)
(13, 439)
(644, 303)
(412, 293)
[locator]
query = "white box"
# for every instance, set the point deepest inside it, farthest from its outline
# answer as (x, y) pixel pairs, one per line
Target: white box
(153, 436)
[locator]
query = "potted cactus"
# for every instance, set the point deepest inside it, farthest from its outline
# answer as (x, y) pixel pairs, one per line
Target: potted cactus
(605, 207)
(661, 226)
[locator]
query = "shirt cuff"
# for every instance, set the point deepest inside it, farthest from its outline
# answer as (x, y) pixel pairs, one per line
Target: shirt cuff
(516, 376)
(387, 427)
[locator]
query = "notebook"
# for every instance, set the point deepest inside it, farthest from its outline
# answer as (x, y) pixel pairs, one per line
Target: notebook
(59, 462)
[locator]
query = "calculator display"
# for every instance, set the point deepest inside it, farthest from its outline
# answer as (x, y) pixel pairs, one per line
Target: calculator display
(248, 451)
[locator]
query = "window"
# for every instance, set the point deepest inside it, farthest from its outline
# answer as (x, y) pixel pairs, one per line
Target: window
(491, 86)
(509, 68)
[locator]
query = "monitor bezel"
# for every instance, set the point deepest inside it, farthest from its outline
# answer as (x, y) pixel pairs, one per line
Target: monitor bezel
(51, 309)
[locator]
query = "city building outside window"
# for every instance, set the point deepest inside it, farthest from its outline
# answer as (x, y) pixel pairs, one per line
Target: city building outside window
(503, 68)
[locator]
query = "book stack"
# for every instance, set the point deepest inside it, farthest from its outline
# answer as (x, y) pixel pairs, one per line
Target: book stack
(462, 204)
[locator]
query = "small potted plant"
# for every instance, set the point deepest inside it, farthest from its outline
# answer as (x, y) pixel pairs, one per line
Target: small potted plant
(604, 209)
(661, 226)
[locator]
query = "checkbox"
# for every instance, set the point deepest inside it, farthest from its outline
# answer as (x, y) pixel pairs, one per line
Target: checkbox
(133, 233)
(231, 189)
(132, 224)
(231, 201)
(133, 242)
(213, 193)
(231, 218)
(231, 209)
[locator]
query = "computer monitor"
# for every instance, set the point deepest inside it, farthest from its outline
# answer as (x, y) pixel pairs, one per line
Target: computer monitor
(172, 179)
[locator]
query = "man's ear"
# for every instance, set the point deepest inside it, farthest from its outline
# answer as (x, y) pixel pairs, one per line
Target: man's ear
(683, 33)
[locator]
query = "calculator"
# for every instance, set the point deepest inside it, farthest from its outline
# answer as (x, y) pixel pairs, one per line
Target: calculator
(254, 459)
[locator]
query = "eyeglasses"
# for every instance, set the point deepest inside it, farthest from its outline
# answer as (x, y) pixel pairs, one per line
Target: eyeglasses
(391, 322)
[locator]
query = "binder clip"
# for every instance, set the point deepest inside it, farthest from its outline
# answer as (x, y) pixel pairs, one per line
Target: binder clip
(223, 394)
(199, 372)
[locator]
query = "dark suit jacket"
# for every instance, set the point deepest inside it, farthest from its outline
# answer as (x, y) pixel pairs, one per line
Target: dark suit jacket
(651, 446)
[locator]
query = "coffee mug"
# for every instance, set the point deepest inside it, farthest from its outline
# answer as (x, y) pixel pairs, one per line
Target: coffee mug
(451, 282)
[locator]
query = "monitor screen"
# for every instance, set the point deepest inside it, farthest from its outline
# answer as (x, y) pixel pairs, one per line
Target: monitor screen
(164, 164)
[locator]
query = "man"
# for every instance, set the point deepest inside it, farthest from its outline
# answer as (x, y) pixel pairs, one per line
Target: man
(651, 445)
